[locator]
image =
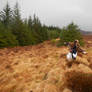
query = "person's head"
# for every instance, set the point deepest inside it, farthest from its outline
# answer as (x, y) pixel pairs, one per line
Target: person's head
(76, 41)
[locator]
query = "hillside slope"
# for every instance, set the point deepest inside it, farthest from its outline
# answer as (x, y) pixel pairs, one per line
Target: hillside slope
(40, 68)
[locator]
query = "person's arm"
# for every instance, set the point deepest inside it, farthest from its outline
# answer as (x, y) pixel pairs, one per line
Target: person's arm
(80, 49)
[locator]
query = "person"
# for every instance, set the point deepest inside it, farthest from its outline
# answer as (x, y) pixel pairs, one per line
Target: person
(74, 47)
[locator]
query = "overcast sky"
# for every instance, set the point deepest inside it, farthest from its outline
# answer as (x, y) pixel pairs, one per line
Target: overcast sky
(57, 12)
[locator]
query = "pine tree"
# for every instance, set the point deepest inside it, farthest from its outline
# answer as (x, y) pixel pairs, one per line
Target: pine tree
(7, 39)
(30, 22)
(20, 29)
(6, 16)
(39, 32)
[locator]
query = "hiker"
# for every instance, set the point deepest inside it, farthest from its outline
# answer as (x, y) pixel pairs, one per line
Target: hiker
(74, 47)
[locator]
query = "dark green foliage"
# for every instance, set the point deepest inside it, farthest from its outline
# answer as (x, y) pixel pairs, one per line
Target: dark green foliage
(22, 34)
(6, 16)
(30, 23)
(71, 33)
(54, 28)
(28, 32)
(38, 31)
(53, 34)
(21, 30)
(6, 37)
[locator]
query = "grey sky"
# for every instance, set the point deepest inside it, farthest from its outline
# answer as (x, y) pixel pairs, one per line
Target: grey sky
(57, 12)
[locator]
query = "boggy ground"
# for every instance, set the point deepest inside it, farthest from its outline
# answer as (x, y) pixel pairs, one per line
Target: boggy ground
(42, 68)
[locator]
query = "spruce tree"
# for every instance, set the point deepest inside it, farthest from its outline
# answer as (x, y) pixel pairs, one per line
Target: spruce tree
(30, 22)
(6, 15)
(7, 39)
(39, 32)
(20, 29)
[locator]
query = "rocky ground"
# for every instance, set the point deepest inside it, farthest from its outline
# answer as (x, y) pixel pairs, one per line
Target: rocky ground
(43, 68)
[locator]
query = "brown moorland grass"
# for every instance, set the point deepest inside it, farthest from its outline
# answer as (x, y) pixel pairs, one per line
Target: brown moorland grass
(79, 81)
(41, 68)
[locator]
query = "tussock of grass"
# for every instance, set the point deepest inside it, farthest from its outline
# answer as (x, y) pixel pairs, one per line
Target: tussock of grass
(78, 81)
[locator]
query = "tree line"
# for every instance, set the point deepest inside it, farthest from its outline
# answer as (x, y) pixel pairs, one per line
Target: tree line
(15, 31)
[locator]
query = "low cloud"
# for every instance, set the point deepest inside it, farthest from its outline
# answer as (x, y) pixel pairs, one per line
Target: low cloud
(57, 12)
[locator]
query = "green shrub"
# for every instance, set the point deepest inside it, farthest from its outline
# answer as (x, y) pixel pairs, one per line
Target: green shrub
(71, 33)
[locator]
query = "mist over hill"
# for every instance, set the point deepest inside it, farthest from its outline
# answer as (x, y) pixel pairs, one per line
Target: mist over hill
(86, 32)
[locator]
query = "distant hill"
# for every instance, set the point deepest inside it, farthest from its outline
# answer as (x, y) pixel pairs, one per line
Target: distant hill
(86, 32)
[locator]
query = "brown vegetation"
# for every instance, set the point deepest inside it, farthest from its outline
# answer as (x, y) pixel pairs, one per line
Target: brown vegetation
(43, 68)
